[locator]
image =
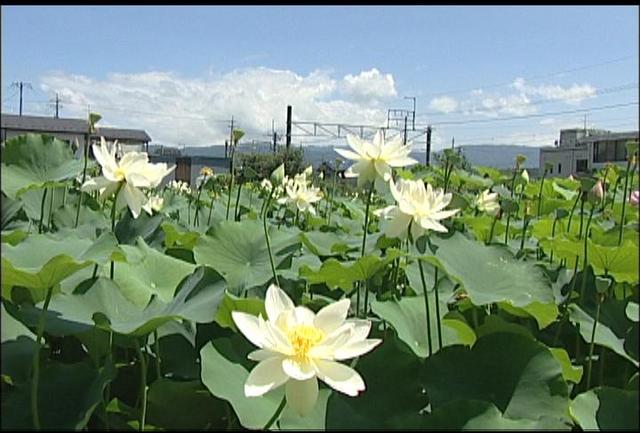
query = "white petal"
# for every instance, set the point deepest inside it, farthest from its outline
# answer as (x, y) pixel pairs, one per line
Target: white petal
(401, 162)
(355, 143)
(397, 227)
(104, 158)
(304, 316)
(340, 377)
(302, 395)
(250, 327)
(355, 349)
(332, 316)
(347, 154)
(298, 370)
(264, 377)
(262, 354)
(276, 302)
(383, 170)
(429, 224)
(135, 199)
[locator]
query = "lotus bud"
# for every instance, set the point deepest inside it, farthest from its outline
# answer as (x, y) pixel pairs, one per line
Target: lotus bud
(525, 175)
(634, 198)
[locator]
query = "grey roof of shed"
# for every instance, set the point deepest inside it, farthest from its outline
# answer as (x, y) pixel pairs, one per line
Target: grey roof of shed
(70, 126)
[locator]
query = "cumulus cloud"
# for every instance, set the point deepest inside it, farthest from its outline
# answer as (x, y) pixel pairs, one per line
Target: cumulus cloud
(369, 85)
(176, 110)
(444, 104)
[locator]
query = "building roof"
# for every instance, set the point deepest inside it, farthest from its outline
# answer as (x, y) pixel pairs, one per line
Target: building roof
(70, 126)
(611, 136)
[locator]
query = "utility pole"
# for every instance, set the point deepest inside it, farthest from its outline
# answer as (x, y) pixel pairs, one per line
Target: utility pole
(428, 156)
(20, 85)
(57, 105)
(230, 141)
(275, 136)
(453, 142)
(404, 138)
(288, 126)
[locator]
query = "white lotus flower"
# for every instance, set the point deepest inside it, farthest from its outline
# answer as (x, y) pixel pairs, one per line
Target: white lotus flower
(132, 172)
(302, 196)
(418, 207)
(297, 347)
(154, 203)
(488, 202)
(375, 159)
(266, 185)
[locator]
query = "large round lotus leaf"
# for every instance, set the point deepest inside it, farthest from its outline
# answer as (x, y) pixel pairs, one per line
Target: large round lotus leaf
(224, 374)
(35, 161)
(197, 301)
(606, 408)
(408, 318)
(520, 376)
(490, 273)
(238, 251)
(391, 374)
(154, 273)
(68, 395)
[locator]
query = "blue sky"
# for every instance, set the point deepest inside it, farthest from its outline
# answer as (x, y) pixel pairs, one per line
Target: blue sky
(195, 67)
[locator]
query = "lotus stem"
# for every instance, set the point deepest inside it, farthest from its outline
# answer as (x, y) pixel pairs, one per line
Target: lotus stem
(581, 217)
(366, 219)
(553, 233)
(36, 361)
(593, 336)
(493, 226)
(84, 177)
(266, 235)
(276, 415)
(156, 342)
(333, 194)
(624, 200)
(143, 385)
(426, 305)
(231, 167)
(113, 224)
(435, 288)
(540, 194)
(44, 196)
(506, 233)
(236, 215)
(210, 209)
(196, 220)
(573, 208)
(53, 192)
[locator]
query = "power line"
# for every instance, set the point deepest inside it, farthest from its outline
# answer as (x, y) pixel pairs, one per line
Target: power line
(605, 91)
(530, 116)
(533, 77)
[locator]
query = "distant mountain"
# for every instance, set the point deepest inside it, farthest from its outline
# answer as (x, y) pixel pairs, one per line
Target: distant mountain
(498, 155)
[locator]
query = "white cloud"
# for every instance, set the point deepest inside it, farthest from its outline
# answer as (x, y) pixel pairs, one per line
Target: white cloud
(369, 85)
(444, 104)
(193, 111)
(570, 95)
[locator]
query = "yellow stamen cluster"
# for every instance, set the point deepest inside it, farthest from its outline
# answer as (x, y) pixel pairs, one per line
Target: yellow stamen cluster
(206, 171)
(119, 174)
(302, 339)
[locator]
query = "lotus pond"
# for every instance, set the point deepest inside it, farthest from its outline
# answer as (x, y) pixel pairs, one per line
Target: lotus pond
(409, 297)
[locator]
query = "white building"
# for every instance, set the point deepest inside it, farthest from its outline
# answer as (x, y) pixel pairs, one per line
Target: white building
(581, 151)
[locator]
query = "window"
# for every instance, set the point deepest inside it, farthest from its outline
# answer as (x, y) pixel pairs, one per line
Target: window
(611, 151)
(581, 165)
(599, 154)
(559, 168)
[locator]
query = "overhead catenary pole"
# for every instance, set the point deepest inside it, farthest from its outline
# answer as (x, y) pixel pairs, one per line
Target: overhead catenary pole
(288, 126)
(57, 106)
(453, 142)
(404, 138)
(20, 85)
(275, 136)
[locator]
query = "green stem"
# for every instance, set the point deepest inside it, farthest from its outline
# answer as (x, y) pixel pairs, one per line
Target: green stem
(525, 224)
(64, 196)
(426, 305)
(156, 343)
(513, 181)
(573, 208)
(366, 298)
(143, 385)
(196, 220)
(581, 218)
(493, 226)
(297, 217)
(266, 235)
(276, 415)
(36, 361)
(615, 191)
(366, 220)
(53, 192)
(593, 336)
(333, 193)
(506, 233)
(553, 233)
(233, 155)
(435, 288)
(236, 217)
(624, 201)
(44, 196)
(84, 177)
(113, 224)
(210, 209)
(540, 195)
